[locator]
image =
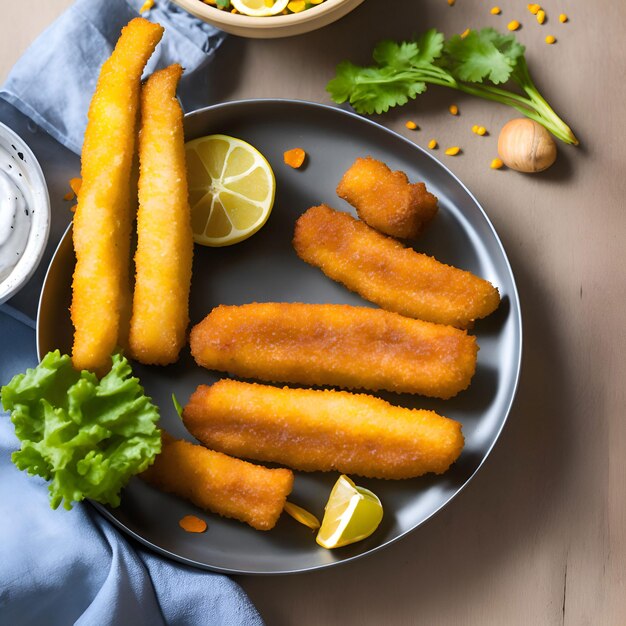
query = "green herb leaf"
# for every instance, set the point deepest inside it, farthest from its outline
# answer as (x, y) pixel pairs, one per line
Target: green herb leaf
(474, 64)
(177, 406)
(87, 437)
(430, 46)
(371, 89)
(480, 55)
(223, 4)
(396, 55)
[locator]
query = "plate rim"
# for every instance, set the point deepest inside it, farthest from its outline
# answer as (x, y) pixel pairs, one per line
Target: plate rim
(234, 104)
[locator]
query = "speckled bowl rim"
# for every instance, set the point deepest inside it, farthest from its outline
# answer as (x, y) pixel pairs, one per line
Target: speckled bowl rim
(40, 211)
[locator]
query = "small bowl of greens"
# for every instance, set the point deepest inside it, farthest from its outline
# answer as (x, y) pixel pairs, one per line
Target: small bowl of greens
(268, 19)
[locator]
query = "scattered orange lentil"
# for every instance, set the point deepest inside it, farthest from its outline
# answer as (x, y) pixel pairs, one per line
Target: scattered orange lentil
(495, 11)
(453, 151)
(146, 6)
(412, 125)
(496, 164)
(294, 157)
(541, 16)
(481, 130)
(534, 8)
(451, 2)
(465, 33)
(563, 18)
(550, 39)
(73, 208)
(432, 144)
(454, 110)
(192, 524)
(75, 184)
(513, 25)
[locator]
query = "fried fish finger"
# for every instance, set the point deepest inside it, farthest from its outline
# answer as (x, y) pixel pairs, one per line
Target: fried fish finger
(334, 344)
(164, 239)
(322, 430)
(102, 222)
(219, 483)
(386, 200)
(383, 271)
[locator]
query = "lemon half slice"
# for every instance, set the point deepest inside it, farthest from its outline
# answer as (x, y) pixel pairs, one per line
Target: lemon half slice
(352, 513)
(231, 189)
(260, 8)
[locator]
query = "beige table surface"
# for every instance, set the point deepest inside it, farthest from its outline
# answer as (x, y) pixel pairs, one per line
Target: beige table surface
(539, 536)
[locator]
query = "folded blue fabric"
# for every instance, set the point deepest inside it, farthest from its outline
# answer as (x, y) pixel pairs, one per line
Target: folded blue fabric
(60, 567)
(54, 81)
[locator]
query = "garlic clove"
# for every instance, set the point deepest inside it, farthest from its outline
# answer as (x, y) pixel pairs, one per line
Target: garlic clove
(526, 146)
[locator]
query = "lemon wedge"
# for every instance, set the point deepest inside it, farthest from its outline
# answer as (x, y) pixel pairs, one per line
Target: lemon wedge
(260, 8)
(231, 189)
(352, 513)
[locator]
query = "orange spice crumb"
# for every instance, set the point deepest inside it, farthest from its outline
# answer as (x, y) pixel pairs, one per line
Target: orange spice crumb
(412, 125)
(192, 524)
(294, 157)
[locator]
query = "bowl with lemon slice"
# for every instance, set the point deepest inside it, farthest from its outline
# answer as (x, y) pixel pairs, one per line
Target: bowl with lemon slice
(268, 19)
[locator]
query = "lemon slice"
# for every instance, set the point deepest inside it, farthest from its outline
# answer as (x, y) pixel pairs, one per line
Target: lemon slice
(231, 189)
(352, 513)
(260, 8)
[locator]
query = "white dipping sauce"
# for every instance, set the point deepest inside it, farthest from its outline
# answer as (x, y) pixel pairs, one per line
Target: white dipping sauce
(15, 213)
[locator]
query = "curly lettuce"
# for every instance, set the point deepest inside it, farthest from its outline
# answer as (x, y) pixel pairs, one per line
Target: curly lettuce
(87, 437)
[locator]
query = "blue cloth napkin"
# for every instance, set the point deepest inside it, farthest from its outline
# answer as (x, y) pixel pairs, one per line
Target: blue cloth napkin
(54, 81)
(60, 567)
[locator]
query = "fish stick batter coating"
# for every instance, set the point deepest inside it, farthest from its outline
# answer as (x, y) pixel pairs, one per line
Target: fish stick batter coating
(103, 219)
(219, 483)
(386, 200)
(322, 430)
(158, 327)
(335, 344)
(383, 271)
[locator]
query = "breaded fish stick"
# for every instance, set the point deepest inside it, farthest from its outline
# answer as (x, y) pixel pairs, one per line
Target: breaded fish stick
(335, 344)
(383, 271)
(386, 200)
(216, 482)
(164, 239)
(315, 430)
(102, 222)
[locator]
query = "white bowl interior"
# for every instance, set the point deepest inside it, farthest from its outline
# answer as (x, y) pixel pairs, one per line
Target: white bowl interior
(38, 202)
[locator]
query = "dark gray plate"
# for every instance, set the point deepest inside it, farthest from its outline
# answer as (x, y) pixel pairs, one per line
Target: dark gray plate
(265, 268)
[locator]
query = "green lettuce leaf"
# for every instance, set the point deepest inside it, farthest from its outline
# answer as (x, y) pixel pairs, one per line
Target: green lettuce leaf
(87, 437)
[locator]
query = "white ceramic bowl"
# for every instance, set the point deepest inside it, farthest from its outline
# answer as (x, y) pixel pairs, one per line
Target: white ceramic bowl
(273, 26)
(38, 203)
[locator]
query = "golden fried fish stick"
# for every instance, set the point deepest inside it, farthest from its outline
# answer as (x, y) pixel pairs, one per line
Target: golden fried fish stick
(335, 344)
(315, 430)
(164, 239)
(383, 271)
(386, 200)
(102, 222)
(216, 482)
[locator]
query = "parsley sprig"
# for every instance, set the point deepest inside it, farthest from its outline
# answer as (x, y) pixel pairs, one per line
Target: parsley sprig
(475, 64)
